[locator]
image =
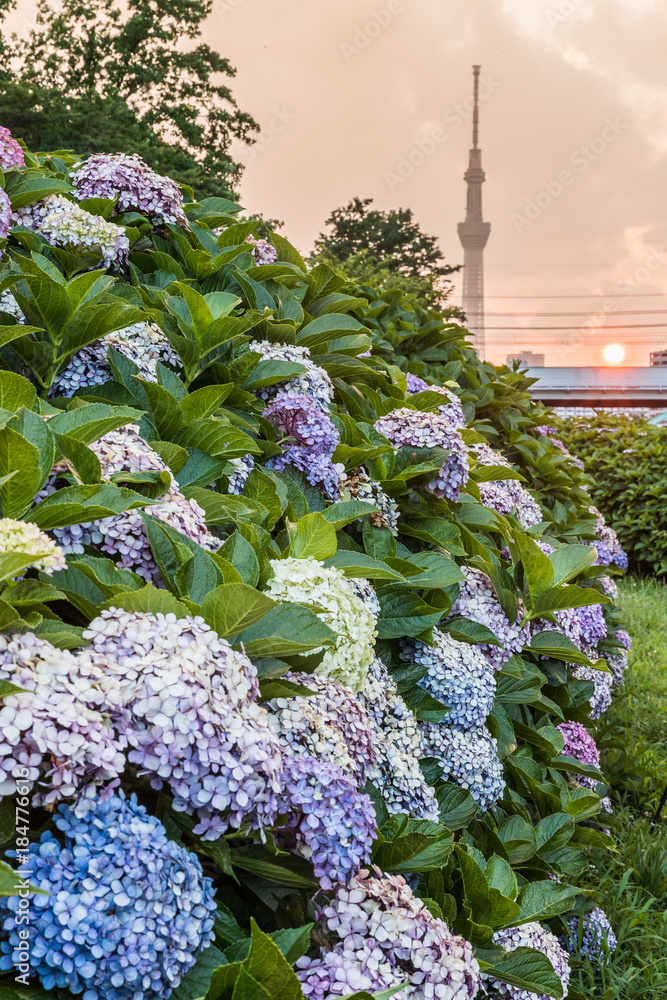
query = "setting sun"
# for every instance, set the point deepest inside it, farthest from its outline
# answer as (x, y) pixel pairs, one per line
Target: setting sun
(614, 354)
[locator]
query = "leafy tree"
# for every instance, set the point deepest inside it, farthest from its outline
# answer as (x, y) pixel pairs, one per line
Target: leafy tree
(388, 249)
(115, 77)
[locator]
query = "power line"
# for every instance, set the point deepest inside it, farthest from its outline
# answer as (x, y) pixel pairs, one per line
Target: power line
(538, 329)
(584, 312)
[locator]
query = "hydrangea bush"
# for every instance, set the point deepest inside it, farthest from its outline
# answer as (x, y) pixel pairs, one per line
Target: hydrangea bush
(304, 624)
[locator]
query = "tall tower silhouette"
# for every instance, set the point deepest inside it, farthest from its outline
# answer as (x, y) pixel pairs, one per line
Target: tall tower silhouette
(474, 233)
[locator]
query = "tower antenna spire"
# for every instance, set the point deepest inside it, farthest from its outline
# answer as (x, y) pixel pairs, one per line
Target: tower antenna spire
(474, 233)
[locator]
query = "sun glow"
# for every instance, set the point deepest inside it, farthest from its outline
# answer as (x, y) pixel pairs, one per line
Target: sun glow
(614, 354)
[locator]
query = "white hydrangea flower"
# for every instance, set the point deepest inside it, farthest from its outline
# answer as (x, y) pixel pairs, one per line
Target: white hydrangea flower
(330, 595)
(22, 536)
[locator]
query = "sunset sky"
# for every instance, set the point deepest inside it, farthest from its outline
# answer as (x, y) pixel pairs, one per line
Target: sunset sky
(367, 97)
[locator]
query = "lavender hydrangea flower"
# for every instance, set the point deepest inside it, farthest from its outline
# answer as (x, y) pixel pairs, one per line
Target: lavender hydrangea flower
(624, 638)
(415, 429)
(124, 535)
(57, 727)
(142, 343)
(609, 587)
(365, 591)
(26, 538)
(458, 675)
(582, 626)
(329, 593)
(137, 187)
(329, 821)
(310, 438)
(11, 153)
(531, 935)
(607, 545)
(5, 214)
(314, 382)
(262, 251)
(357, 485)
(127, 911)
(580, 744)
(193, 718)
(506, 496)
(452, 409)
(386, 937)
(594, 936)
(477, 600)
(469, 759)
(603, 682)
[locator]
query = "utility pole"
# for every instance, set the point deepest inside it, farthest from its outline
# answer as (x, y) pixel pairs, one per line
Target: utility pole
(474, 233)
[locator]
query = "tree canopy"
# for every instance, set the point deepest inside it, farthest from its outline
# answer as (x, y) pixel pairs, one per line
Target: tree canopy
(116, 77)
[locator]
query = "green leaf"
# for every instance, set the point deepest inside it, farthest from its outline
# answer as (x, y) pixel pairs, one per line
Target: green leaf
(499, 875)
(149, 599)
(558, 646)
(525, 968)
(313, 538)
(268, 966)
(268, 493)
(405, 614)
(195, 982)
(340, 514)
(542, 900)
(19, 460)
(16, 391)
(467, 630)
(287, 629)
(82, 459)
(456, 805)
(92, 421)
(79, 504)
(293, 942)
(409, 845)
(234, 607)
(569, 560)
(240, 553)
(205, 401)
(553, 832)
(358, 564)
(9, 880)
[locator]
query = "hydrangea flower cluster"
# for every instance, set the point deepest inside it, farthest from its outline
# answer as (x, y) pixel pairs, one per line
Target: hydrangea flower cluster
(624, 638)
(387, 937)
(582, 626)
(57, 727)
(601, 698)
(399, 746)
(26, 538)
(33, 216)
(357, 485)
(192, 716)
(580, 744)
(314, 382)
(330, 595)
(415, 429)
(531, 935)
(310, 439)
(5, 214)
(142, 343)
(9, 304)
(262, 251)
(551, 432)
(329, 821)
(11, 153)
(477, 600)
(452, 409)
(609, 586)
(70, 225)
(506, 496)
(242, 468)
(365, 591)
(594, 936)
(458, 675)
(607, 544)
(133, 183)
(127, 912)
(469, 759)
(124, 535)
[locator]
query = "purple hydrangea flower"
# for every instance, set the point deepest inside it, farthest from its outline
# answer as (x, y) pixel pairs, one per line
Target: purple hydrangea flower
(192, 721)
(262, 251)
(506, 496)
(452, 410)
(382, 936)
(11, 153)
(127, 911)
(607, 545)
(329, 821)
(531, 935)
(477, 600)
(242, 468)
(594, 936)
(137, 187)
(310, 439)
(415, 429)
(624, 638)
(601, 698)
(580, 744)
(313, 382)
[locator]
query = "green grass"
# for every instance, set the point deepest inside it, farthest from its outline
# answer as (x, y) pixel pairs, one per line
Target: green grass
(631, 885)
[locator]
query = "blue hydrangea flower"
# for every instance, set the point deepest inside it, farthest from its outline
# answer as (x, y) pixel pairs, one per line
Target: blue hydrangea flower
(128, 910)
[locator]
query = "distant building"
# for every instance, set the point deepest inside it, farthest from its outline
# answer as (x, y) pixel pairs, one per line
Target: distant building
(658, 359)
(530, 360)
